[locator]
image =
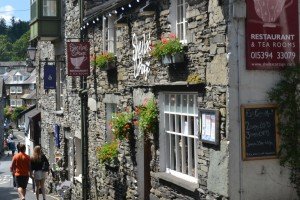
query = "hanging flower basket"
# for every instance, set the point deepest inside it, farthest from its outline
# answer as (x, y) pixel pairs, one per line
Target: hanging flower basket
(106, 61)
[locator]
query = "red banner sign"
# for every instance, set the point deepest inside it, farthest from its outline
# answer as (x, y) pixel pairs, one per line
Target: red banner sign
(78, 58)
(272, 40)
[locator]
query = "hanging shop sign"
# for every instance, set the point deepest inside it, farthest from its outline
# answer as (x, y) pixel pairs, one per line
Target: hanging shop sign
(141, 51)
(78, 58)
(56, 135)
(49, 77)
(272, 35)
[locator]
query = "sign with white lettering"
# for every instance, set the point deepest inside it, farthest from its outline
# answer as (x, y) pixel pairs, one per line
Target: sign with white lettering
(78, 58)
(141, 51)
(272, 35)
(260, 137)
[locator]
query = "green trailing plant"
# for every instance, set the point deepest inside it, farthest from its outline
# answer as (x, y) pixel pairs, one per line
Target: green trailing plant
(193, 79)
(167, 46)
(286, 94)
(103, 59)
(121, 125)
(8, 111)
(108, 152)
(147, 118)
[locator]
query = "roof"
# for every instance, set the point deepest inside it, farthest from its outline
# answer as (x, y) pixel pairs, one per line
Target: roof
(105, 7)
(30, 78)
(2, 93)
(27, 110)
(13, 64)
(31, 95)
(34, 113)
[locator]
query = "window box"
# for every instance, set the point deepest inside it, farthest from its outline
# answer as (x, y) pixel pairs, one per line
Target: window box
(109, 66)
(173, 59)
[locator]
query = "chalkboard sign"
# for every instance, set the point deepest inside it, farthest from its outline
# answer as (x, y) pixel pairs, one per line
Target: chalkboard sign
(260, 137)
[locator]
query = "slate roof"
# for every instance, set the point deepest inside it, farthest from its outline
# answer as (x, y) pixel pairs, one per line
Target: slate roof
(30, 78)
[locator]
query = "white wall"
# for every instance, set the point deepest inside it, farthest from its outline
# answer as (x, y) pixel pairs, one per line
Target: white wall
(257, 179)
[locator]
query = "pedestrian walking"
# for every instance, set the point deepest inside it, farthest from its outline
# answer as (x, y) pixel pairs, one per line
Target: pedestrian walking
(20, 168)
(11, 144)
(39, 167)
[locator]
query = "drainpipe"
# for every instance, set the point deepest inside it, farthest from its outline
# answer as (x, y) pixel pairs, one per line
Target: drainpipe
(84, 134)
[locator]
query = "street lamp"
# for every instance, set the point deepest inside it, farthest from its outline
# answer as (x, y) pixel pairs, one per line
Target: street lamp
(31, 52)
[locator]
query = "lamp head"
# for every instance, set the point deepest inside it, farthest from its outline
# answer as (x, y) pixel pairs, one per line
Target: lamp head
(31, 52)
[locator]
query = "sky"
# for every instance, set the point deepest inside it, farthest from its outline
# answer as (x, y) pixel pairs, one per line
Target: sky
(20, 9)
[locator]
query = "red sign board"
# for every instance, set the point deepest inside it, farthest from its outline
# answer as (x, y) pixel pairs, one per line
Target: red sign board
(78, 58)
(272, 40)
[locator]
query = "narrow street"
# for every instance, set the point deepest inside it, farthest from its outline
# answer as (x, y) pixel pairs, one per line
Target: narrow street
(7, 191)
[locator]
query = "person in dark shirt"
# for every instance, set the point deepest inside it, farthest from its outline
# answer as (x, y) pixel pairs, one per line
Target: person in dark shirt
(39, 168)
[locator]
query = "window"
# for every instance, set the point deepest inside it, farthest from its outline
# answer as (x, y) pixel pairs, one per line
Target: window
(19, 89)
(49, 8)
(178, 19)
(180, 134)
(111, 108)
(12, 89)
(32, 86)
(19, 102)
(13, 103)
(109, 33)
(17, 78)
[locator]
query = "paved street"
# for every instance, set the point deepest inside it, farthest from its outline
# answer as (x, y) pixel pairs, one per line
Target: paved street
(7, 191)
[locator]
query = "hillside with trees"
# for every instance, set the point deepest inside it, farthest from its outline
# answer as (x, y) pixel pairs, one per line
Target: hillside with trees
(14, 40)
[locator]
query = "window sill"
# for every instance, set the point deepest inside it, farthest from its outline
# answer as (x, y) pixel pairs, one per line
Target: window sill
(58, 112)
(190, 186)
(78, 178)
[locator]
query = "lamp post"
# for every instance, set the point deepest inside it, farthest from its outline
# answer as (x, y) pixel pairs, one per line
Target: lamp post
(31, 52)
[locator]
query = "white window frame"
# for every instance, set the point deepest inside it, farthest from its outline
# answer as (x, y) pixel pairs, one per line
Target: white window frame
(12, 90)
(32, 1)
(109, 33)
(178, 19)
(19, 102)
(19, 90)
(49, 8)
(60, 78)
(111, 108)
(179, 128)
(13, 103)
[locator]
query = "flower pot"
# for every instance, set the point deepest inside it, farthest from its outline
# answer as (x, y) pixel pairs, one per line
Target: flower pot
(173, 59)
(109, 66)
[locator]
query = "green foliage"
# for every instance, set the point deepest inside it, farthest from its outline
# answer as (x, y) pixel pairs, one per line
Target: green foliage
(108, 152)
(167, 46)
(103, 59)
(14, 40)
(147, 117)
(287, 95)
(8, 111)
(20, 47)
(121, 125)
(5, 48)
(16, 112)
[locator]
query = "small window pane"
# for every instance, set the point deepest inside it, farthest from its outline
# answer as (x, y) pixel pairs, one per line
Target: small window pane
(184, 103)
(178, 103)
(172, 103)
(49, 8)
(167, 103)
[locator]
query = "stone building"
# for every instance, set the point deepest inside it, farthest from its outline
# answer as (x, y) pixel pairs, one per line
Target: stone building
(176, 162)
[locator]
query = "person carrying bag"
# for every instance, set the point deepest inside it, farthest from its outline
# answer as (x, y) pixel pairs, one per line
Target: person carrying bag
(39, 167)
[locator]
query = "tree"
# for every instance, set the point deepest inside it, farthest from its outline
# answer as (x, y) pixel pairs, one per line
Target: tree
(19, 48)
(5, 48)
(3, 27)
(17, 29)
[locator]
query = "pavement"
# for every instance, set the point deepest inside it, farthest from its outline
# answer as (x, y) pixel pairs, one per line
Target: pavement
(7, 191)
